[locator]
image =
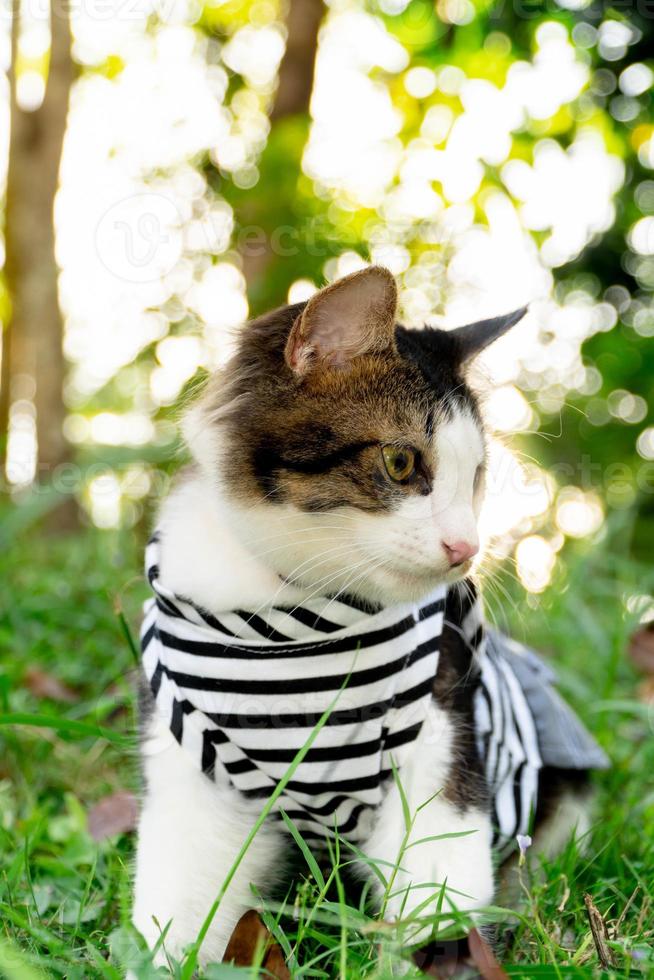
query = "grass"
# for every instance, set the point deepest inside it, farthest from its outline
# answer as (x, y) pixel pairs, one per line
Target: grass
(65, 900)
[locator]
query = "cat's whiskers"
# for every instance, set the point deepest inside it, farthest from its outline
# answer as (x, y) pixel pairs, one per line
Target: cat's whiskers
(286, 581)
(489, 596)
(500, 556)
(251, 541)
(521, 454)
(373, 568)
(330, 523)
(310, 563)
(332, 575)
(377, 560)
(281, 547)
(336, 511)
(493, 586)
(382, 561)
(330, 578)
(286, 534)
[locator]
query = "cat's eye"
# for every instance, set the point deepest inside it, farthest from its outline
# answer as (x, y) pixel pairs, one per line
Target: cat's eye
(400, 462)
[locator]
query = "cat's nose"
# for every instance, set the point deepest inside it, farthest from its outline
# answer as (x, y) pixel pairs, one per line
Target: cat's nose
(459, 551)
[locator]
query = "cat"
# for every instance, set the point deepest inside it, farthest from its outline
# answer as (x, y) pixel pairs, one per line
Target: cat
(315, 562)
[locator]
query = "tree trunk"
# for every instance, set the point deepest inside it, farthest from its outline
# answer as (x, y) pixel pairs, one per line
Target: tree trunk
(273, 207)
(295, 83)
(36, 348)
(5, 400)
(6, 348)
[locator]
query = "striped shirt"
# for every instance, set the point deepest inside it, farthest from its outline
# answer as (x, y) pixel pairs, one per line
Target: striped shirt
(242, 692)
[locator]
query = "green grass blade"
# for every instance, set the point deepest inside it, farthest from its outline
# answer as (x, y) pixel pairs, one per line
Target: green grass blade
(191, 962)
(66, 726)
(305, 849)
(127, 633)
(14, 965)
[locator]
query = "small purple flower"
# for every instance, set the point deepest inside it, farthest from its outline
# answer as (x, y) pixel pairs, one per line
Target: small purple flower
(524, 841)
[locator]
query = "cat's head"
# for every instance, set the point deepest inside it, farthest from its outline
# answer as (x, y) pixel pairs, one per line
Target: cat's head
(349, 451)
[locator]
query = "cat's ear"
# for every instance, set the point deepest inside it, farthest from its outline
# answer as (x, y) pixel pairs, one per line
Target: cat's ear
(354, 315)
(473, 338)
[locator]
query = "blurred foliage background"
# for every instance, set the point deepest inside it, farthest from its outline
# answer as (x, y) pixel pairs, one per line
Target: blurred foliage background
(213, 160)
(169, 168)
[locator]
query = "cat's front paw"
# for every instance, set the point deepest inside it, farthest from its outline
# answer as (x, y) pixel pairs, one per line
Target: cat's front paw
(429, 890)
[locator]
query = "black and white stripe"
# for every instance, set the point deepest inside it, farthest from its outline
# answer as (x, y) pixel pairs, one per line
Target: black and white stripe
(243, 691)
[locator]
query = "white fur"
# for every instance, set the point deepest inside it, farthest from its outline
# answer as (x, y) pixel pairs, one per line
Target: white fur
(413, 536)
(189, 834)
(388, 557)
(463, 863)
(571, 817)
(191, 829)
(202, 557)
(225, 555)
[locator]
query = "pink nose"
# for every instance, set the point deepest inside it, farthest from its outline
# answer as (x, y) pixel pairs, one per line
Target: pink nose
(460, 551)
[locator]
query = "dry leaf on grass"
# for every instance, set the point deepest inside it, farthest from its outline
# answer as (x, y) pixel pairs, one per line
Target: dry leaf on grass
(641, 648)
(600, 933)
(445, 959)
(566, 894)
(44, 685)
(248, 936)
(645, 691)
(484, 958)
(615, 931)
(456, 958)
(115, 814)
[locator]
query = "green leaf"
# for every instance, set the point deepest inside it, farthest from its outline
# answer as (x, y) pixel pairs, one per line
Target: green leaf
(305, 849)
